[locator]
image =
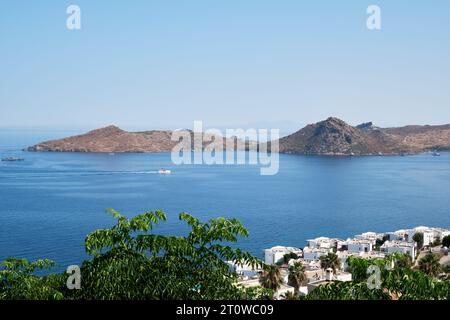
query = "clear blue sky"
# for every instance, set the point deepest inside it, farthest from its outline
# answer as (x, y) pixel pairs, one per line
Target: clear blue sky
(163, 64)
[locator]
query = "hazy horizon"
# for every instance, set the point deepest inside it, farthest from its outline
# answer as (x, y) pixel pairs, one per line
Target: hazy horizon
(162, 65)
(290, 126)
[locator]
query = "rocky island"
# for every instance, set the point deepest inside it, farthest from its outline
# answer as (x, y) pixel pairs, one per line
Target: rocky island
(335, 137)
(329, 137)
(112, 139)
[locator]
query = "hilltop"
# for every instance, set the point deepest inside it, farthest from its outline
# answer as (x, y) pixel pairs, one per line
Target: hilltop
(114, 139)
(334, 136)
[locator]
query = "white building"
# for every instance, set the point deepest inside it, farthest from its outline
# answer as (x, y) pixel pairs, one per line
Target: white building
(400, 235)
(275, 254)
(323, 243)
(428, 234)
(245, 271)
(344, 255)
(329, 277)
(369, 236)
(314, 254)
(359, 245)
(284, 289)
(441, 233)
(400, 247)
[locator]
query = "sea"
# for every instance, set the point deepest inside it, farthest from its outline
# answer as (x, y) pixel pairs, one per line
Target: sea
(50, 202)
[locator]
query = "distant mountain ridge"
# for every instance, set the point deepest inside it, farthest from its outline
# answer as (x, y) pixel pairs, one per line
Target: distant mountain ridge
(332, 136)
(112, 139)
(335, 137)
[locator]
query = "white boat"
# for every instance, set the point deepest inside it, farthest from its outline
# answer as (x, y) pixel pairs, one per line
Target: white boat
(164, 171)
(436, 154)
(13, 159)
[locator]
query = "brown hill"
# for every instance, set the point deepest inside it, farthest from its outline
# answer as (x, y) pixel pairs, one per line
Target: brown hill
(114, 139)
(335, 137)
(329, 137)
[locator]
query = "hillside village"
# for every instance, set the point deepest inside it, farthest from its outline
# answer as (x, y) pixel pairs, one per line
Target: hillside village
(415, 243)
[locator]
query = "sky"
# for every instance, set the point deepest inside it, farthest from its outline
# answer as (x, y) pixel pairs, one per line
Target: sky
(230, 63)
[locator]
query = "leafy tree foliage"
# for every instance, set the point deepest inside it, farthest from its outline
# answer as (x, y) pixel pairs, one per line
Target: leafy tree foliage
(418, 237)
(397, 282)
(347, 291)
(130, 262)
(286, 258)
(358, 267)
(17, 280)
(331, 260)
(271, 277)
(296, 276)
(430, 264)
(290, 296)
(446, 241)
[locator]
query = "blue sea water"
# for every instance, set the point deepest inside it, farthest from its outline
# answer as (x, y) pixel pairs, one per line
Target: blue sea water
(51, 201)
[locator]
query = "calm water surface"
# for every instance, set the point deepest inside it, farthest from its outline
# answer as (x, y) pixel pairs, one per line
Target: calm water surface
(51, 201)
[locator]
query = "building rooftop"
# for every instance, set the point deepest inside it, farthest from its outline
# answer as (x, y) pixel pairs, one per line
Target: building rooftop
(284, 249)
(356, 241)
(314, 250)
(364, 255)
(397, 243)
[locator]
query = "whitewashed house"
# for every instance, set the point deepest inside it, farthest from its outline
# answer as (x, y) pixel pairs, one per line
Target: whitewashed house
(314, 254)
(275, 254)
(402, 235)
(344, 255)
(369, 236)
(323, 243)
(329, 277)
(441, 233)
(359, 245)
(428, 234)
(400, 247)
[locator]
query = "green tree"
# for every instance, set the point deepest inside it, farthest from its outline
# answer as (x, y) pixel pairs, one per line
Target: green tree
(130, 262)
(437, 242)
(18, 280)
(271, 277)
(331, 260)
(358, 267)
(418, 237)
(407, 284)
(401, 260)
(430, 264)
(397, 284)
(290, 296)
(286, 258)
(346, 291)
(446, 241)
(296, 276)
(380, 242)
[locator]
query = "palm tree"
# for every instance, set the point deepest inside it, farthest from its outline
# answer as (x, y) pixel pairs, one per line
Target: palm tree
(430, 264)
(418, 237)
(287, 257)
(271, 277)
(290, 296)
(400, 260)
(296, 276)
(331, 260)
